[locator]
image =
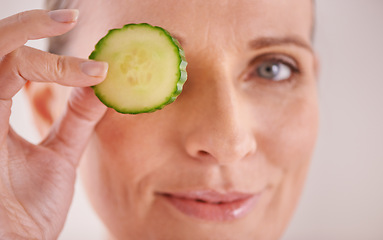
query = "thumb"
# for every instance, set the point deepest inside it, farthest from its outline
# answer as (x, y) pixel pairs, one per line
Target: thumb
(70, 134)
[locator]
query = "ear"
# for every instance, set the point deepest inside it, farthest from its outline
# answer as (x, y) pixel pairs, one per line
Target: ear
(46, 101)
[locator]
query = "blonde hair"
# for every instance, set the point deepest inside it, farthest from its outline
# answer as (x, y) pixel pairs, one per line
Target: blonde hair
(56, 43)
(55, 4)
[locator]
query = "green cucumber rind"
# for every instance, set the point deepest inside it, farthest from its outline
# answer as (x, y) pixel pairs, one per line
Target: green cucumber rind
(182, 74)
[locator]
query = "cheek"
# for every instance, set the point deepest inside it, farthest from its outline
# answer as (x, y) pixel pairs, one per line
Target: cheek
(126, 153)
(286, 136)
(300, 133)
(289, 134)
(118, 168)
(125, 144)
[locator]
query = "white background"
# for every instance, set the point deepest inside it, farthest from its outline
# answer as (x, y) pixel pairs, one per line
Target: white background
(343, 198)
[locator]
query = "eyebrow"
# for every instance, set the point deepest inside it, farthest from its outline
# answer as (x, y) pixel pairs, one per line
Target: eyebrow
(264, 42)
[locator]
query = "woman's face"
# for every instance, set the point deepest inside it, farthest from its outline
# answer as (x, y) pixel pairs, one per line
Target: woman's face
(226, 160)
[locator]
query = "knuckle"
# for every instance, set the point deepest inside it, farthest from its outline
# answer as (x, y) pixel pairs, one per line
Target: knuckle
(22, 17)
(9, 64)
(11, 78)
(12, 56)
(60, 67)
(80, 111)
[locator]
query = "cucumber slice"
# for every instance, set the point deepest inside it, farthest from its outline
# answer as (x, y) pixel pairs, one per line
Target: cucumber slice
(147, 68)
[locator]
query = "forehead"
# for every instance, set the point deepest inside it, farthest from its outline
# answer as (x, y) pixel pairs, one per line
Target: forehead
(263, 17)
(201, 23)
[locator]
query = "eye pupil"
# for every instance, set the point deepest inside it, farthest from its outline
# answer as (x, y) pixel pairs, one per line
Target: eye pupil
(272, 69)
(269, 70)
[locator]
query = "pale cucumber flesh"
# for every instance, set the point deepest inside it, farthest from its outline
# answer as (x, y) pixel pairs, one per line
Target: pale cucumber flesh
(147, 68)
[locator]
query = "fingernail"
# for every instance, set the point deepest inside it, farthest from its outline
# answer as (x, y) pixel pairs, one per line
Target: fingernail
(64, 15)
(94, 69)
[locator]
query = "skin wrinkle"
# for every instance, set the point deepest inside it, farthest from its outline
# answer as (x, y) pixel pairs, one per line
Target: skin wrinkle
(23, 210)
(19, 210)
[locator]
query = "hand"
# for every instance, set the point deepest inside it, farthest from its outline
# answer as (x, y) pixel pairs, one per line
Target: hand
(37, 181)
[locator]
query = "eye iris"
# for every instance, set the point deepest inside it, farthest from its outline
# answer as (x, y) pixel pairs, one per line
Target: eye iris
(269, 70)
(275, 71)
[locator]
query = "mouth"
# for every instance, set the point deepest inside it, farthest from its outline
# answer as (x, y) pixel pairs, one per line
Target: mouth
(211, 205)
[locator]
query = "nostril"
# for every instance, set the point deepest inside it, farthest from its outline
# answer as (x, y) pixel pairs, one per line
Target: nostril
(203, 153)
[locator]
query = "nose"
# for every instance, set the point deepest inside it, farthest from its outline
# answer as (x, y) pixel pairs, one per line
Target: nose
(220, 130)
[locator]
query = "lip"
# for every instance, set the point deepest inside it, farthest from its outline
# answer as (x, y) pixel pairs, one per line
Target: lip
(211, 205)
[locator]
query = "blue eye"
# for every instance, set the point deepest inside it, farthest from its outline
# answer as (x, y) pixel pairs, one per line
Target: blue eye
(275, 71)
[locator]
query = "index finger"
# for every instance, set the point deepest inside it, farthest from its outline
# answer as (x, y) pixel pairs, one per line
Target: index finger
(16, 30)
